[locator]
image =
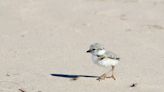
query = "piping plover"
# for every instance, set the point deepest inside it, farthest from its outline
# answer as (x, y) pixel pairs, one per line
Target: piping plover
(104, 58)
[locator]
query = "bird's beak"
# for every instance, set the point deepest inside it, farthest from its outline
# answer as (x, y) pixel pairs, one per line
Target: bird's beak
(88, 51)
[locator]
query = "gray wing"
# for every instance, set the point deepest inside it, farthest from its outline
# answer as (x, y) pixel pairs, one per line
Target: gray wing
(112, 55)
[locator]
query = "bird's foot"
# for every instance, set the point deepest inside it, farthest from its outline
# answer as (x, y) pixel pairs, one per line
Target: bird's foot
(102, 77)
(112, 76)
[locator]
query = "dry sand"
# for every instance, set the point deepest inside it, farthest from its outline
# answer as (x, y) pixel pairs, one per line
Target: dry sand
(43, 37)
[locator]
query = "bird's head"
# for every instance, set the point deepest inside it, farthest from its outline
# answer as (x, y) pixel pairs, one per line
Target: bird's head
(96, 49)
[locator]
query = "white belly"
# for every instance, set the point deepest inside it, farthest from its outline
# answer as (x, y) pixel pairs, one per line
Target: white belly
(105, 62)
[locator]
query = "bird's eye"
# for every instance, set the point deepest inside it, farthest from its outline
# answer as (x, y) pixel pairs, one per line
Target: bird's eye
(93, 49)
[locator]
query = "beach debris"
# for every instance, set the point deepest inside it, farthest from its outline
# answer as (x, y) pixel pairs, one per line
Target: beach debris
(133, 85)
(21, 90)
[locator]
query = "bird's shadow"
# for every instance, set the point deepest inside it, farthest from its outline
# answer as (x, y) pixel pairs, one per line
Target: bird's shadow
(73, 76)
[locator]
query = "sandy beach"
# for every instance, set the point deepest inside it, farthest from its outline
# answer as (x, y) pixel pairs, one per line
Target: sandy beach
(44, 42)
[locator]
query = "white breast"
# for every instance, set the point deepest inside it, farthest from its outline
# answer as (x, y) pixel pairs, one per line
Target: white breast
(104, 62)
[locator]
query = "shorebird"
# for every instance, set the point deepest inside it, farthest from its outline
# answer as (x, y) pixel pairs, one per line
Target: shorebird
(104, 58)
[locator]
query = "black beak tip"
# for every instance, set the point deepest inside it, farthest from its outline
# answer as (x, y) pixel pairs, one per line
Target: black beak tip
(88, 51)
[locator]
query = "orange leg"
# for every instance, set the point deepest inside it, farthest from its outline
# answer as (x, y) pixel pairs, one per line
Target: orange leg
(102, 77)
(112, 76)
